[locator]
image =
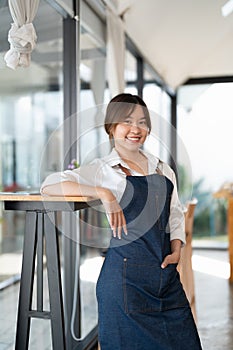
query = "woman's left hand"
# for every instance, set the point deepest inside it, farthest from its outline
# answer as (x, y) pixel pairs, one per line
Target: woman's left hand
(170, 259)
(174, 257)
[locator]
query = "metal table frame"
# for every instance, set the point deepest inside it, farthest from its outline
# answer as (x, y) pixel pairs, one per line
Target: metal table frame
(40, 228)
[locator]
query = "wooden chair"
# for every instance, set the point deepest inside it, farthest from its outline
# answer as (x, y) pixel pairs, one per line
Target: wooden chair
(185, 264)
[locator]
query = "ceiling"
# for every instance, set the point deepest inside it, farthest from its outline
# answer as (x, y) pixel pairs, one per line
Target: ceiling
(181, 39)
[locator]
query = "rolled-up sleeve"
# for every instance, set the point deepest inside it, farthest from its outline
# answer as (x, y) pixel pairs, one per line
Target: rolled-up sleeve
(176, 218)
(58, 177)
(97, 173)
(88, 174)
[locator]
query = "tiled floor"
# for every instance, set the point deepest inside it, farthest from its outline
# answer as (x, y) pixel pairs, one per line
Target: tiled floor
(40, 338)
(214, 300)
(214, 303)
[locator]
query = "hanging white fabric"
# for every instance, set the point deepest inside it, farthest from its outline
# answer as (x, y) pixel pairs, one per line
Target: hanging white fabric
(22, 35)
(98, 85)
(115, 53)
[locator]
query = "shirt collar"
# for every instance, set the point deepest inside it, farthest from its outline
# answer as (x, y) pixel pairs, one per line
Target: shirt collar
(114, 159)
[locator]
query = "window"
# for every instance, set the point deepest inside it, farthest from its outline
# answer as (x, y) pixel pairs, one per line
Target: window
(31, 108)
(159, 105)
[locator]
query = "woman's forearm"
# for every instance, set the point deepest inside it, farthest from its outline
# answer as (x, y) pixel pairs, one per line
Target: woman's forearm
(174, 257)
(69, 188)
(112, 207)
(176, 246)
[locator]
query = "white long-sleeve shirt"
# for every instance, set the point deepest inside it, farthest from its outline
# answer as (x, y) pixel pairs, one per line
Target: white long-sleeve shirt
(106, 172)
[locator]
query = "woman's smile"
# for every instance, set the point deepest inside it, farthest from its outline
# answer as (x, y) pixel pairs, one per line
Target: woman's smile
(133, 130)
(134, 139)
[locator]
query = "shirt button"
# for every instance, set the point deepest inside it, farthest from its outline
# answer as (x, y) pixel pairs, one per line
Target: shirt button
(125, 259)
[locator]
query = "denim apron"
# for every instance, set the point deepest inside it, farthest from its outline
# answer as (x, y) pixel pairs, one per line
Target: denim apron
(140, 305)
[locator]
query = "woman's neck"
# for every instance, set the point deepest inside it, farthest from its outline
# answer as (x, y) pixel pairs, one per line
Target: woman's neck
(128, 154)
(135, 159)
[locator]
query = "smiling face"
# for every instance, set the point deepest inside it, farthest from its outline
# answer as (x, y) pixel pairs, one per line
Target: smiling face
(132, 131)
(127, 121)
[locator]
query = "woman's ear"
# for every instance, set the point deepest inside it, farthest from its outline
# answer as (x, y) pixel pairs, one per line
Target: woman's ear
(111, 140)
(111, 131)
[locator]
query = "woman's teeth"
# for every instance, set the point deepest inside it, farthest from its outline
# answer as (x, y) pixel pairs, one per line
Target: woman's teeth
(133, 138)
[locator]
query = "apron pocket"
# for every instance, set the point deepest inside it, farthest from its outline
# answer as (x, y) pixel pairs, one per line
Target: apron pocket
(141, 285)
(169, 278)
(171, 290)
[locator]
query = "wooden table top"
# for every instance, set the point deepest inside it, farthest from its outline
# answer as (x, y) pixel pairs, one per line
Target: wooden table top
(223, 194)
(27, 197)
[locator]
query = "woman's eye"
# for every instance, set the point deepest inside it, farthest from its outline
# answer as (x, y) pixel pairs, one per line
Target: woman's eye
(140, 123)
(143, 124)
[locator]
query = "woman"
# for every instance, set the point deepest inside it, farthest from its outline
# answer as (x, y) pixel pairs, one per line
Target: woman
(141, 302)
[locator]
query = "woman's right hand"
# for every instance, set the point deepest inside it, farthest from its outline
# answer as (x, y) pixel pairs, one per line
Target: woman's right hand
(114, 211)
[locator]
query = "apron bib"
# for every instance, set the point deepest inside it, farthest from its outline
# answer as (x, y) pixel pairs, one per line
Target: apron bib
(142, 306)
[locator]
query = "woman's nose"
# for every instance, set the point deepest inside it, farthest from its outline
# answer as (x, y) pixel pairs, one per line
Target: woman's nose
(134, 127)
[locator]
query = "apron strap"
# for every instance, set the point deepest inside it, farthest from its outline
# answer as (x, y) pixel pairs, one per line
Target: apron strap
(128, 173)
(159, 171)
(125, 170)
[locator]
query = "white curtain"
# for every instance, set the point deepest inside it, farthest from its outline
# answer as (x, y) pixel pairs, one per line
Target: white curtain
(115, 53)
(22, 35)
(98, 84)
(98, 80)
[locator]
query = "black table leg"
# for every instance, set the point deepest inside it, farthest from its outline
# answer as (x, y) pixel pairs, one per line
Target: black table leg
(54, 281)
(39, 226)
(26, 284)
